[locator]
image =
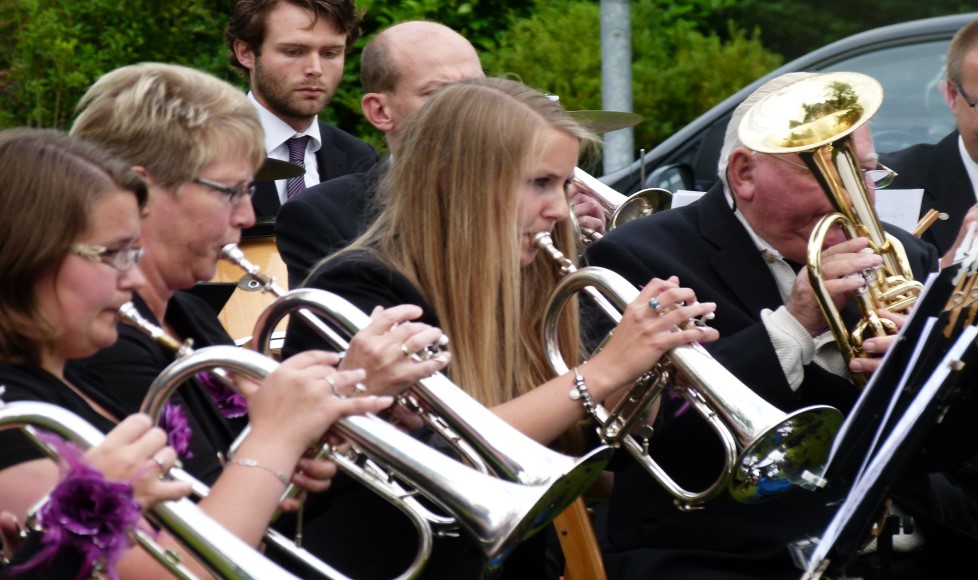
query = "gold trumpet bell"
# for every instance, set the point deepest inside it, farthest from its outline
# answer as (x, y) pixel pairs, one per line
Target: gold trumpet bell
(811, 112)
(779, 458)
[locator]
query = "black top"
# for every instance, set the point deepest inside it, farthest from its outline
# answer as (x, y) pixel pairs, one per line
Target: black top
(131, 365)
(367, 282)
(711, 252)
(324, 219)
(26, 383)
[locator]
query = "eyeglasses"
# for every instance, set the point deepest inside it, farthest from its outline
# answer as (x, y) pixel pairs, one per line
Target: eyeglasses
(964, 95)
(880, 176)
(123, 259)
(235, 193)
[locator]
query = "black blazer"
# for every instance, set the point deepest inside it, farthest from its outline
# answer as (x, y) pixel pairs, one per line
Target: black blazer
(340, 154)
(324, 219)
(710, 251)
(939, 170)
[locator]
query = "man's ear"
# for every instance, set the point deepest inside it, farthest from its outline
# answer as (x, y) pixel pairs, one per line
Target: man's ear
(375, 109)
(740, 173)
(244, 54)
(949, 92)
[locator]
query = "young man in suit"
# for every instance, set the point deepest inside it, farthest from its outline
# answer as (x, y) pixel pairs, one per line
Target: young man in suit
(292, 52)
(948, 170)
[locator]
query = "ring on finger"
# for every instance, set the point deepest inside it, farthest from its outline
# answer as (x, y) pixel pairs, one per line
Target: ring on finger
(160, 463)
(654, 304)
(404, 349)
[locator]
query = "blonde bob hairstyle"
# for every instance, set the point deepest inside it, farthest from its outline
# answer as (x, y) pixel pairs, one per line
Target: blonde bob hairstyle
(170, 119)
(51, 185)
(448, 222)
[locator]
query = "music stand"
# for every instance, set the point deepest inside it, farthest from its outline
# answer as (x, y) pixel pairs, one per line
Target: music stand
(897, 413)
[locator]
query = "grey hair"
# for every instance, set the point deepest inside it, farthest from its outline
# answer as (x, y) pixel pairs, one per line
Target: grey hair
(731, 140)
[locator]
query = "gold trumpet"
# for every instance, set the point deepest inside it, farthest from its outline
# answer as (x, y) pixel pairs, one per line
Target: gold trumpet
(815, 118)
(618, 208)
(217, 549)
(767, 451)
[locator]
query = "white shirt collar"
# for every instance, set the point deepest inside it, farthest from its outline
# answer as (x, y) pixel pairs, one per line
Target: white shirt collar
(969, 165)
(277, 131)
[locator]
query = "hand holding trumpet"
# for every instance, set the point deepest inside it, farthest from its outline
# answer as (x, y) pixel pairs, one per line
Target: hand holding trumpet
(656, 322)
(385, 347)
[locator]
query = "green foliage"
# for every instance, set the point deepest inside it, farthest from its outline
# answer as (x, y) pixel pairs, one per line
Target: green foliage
(677, 71)
(47, 65)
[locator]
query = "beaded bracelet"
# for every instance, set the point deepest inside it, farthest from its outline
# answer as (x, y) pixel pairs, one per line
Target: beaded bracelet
(580, 392)
(252, 463)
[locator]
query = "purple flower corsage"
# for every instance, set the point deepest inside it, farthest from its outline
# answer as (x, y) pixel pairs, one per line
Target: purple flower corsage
(174, 422)
(87, 513)
(230, 403)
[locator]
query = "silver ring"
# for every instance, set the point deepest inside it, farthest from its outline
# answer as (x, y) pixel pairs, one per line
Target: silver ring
(654, 304)
(332, 382)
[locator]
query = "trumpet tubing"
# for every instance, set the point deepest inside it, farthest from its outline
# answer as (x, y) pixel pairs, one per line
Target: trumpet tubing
(766, 450)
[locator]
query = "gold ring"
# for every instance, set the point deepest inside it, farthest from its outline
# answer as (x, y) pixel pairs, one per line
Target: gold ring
(404, 349)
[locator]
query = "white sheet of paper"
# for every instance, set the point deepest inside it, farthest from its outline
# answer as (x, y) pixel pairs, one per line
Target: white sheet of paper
(685, 197)
(900, 207)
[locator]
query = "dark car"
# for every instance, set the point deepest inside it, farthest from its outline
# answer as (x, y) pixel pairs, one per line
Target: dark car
(907, 59)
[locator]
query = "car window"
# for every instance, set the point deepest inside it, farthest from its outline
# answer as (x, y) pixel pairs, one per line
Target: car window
(913, 110)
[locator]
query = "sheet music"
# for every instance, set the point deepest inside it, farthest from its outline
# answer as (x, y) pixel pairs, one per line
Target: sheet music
(880, 460)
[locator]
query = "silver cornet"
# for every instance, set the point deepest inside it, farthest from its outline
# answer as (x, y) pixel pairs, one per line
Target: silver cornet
(767, 451)
(618, 208)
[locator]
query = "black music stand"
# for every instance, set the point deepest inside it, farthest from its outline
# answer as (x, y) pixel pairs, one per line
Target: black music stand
(893, 422)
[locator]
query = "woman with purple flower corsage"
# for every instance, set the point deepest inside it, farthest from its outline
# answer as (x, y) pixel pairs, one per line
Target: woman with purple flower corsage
(70, 223)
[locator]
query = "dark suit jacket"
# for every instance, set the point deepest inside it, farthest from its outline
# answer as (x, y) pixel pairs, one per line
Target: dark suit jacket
(938, 169)
(323, 219)
(340, 154)
(710, 251)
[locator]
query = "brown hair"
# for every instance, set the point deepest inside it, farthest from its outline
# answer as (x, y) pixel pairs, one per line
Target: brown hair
(248, 22)
(450, 225)
(963, 41)
(52, 182)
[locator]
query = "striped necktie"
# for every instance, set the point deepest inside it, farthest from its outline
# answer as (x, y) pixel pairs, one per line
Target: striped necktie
(297, 155)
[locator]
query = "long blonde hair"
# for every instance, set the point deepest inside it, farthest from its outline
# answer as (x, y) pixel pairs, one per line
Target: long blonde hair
(448, 222)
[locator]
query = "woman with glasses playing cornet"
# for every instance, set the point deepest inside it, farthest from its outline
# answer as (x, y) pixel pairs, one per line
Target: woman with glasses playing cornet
(61, 287)
(484, 166)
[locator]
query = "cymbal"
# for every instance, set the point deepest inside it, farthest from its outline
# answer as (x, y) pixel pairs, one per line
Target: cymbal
(606, 121)
(273, 169)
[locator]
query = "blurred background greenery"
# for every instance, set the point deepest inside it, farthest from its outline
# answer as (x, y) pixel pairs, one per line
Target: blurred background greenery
(688, 55)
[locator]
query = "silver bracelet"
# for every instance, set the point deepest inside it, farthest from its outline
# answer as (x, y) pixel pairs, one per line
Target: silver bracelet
(580, 392)
(252, 463)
